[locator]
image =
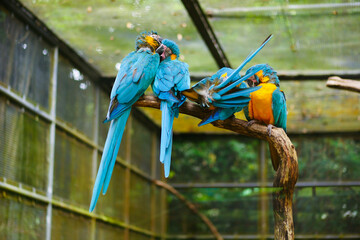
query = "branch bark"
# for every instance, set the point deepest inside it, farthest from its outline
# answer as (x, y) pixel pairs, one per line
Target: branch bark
(346, 84)
(286, 167)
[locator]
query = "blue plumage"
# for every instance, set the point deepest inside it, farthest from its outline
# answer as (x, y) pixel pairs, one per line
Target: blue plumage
(137, 72)
(171, 78)
(225, 92)
(279, 109)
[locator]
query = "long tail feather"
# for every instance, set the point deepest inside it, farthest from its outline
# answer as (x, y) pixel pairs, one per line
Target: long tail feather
(234, 84)
(230, 105)
(245, 92)
(108, 158)
(248, 59)
(241, 101)
(167, 120)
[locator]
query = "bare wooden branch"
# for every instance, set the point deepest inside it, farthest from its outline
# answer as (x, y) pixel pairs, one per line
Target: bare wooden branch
(192, 207)
(346, 84)
(286, 167)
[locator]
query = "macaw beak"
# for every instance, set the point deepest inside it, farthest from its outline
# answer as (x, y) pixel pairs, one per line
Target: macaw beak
(251, 81)
(161, 51)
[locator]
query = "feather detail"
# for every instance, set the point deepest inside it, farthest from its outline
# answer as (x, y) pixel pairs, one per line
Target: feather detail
(248, 59)
(108, 158)
(167, 119)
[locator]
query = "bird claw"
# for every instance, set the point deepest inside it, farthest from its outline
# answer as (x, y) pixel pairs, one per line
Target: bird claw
(269, 127)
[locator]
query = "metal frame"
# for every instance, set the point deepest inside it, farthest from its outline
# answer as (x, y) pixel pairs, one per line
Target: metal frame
(267, 236)
(203, 26)
(40, 28)
(242, 11)
(261, 184)
(47, 198)
(302, 75)
(50, 117)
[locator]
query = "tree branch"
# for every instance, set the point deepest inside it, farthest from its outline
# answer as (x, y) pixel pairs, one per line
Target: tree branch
(346, 84)
(285, 165)
(192, 207)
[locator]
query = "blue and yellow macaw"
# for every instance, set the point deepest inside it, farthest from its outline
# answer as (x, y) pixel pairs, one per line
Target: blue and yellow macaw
(137, 72)
(225, 93)
(171, 78)
(267, 105)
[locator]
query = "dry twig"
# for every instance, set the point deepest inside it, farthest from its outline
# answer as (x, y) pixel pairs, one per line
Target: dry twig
(346, 84)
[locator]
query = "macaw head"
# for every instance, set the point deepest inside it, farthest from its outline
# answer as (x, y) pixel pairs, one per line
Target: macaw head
(170, 49)
(266, 74)
(149, 40)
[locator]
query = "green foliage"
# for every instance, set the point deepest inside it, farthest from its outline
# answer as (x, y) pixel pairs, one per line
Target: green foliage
(329, 210)
(331, 159)
(216, 160)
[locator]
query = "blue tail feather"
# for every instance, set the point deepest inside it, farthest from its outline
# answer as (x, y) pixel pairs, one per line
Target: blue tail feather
(248, 59)
(234, 84)
(167, 162)
(245, 92)
(167, 119)
(108, 158)
(229, 105)
(240, 101)
(120, 131)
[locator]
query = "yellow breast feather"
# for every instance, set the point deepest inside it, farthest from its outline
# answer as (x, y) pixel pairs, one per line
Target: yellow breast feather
(260, 106)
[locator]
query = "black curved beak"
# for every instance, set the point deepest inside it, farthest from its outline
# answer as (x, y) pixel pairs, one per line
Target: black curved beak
(251, 81)
(161, 51)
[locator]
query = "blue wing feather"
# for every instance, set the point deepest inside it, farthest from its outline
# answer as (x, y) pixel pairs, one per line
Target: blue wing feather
(136, 73)
(135, 77)
(171, 78)
(227, 100)
(279, 108)
(219, 114)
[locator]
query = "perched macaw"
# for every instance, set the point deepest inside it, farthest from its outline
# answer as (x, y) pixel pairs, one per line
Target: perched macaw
(137, 71)
(225, 93)
(171, 78)
(268, 104)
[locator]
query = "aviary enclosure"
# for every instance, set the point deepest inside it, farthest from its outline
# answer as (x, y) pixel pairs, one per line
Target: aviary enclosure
(58, 62)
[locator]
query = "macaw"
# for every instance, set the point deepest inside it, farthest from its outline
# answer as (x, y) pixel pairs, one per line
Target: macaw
(137, 71)
(171, 78)
(267, 105)
(225, 93)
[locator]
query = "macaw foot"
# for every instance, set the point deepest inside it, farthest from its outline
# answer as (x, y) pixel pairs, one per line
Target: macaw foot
(269, 127)
(251, 122)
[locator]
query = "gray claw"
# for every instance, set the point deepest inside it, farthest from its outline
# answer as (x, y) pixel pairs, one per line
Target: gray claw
(269, 127)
